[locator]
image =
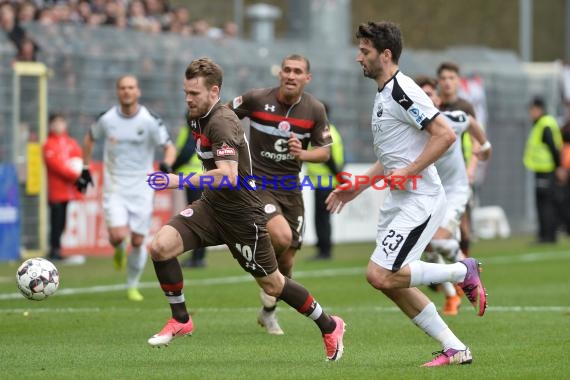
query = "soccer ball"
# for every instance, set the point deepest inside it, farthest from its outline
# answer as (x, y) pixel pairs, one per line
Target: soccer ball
(37, 279)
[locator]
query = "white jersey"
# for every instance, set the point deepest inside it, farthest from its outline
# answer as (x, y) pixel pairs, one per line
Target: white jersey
(401, 112)
(130, 144)
(451, 166)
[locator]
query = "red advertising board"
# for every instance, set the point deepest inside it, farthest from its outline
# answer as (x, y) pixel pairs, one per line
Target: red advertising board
(86, 231)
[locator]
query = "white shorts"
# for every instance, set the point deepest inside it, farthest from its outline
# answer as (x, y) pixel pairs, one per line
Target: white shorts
(132, 210)
(406, 225)
(455, 208)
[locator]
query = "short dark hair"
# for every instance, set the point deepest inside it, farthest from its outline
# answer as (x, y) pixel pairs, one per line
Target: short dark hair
(538, 102)
(55, 116)
(450, 66)
(383, 35)
(424, 80)
(297, 57)
(206, 68)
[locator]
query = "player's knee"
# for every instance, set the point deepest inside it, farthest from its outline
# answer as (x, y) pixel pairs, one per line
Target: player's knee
(281, 240)
(378, 281)
(159, 249)
(272, 289)
(137, 241)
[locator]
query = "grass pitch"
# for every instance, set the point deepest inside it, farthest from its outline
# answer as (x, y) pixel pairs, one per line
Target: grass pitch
(89, 330)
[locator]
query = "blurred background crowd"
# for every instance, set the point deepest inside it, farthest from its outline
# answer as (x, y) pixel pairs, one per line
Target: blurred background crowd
(152, 16)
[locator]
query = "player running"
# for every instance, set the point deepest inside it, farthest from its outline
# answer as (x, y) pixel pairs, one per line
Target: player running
(453, 174)
(131, 133)
(409, 134)
(283, 121)
(229, 215)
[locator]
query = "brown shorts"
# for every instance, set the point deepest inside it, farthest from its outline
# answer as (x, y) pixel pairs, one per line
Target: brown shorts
(246, 235)
(290, 205)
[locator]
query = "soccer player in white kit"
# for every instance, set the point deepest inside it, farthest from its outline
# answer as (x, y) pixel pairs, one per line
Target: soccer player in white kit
(409, 134)
(453, 174)
(131, 133)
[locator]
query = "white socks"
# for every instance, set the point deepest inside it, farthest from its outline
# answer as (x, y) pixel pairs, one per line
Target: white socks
(423, 273)
(135, 265)
(431, 323)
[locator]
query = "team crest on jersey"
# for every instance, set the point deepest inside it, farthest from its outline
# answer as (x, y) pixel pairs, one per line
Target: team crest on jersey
(284, 126)
(326, 132)
(225, 150)
(237, 102)
(270, 208)
(380, 110)
(187, 212)
(140, 131)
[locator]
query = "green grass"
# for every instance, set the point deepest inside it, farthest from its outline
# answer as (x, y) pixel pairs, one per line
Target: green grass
(103, 336)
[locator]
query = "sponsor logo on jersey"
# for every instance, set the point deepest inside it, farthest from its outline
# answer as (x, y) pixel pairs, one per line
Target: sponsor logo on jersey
(270, 107)
(187, 212)
(237, 102)
(281, 145)
(284, 126)
(225, 150)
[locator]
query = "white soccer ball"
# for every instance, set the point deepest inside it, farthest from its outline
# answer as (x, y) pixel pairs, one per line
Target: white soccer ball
(37, 278)
(76, 164)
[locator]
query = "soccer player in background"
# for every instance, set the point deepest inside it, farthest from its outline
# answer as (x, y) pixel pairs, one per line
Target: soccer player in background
(131, 133)
(453, 174)
(409, 134)
(448, 80)
(230, 212)
(283, 121)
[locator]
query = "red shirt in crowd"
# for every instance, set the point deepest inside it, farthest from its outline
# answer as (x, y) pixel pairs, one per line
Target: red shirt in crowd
(58, 152)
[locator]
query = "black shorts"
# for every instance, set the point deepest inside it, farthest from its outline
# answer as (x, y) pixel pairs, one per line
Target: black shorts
(246, 235)
(291, 206)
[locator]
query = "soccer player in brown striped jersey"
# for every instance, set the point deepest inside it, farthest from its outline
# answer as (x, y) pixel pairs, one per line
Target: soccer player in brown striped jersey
(227, 214)
(283, 121)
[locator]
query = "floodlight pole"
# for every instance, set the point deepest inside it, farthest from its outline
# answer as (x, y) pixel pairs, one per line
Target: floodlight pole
(525, 29)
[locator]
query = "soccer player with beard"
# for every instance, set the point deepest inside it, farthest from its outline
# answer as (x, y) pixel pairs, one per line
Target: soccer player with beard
(409, 135)
(226, 214)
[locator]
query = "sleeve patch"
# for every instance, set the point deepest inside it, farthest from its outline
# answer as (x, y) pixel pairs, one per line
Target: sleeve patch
(417, 114)
(225, 150)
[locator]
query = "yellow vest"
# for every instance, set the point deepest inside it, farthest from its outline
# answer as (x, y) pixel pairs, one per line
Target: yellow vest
(319, 169)
(467, 147)
(194, 165)
(537, 156)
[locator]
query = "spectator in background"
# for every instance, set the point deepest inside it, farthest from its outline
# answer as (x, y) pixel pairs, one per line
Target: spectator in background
(323, 177)
(231, 30)
(542, 156)
(62, 157)
(27, 12)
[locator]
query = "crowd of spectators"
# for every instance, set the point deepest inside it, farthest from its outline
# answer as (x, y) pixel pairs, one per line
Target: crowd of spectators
(151, 16)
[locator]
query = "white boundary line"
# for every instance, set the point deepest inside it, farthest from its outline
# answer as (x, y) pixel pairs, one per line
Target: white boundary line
(524, 258)
(355, 309)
